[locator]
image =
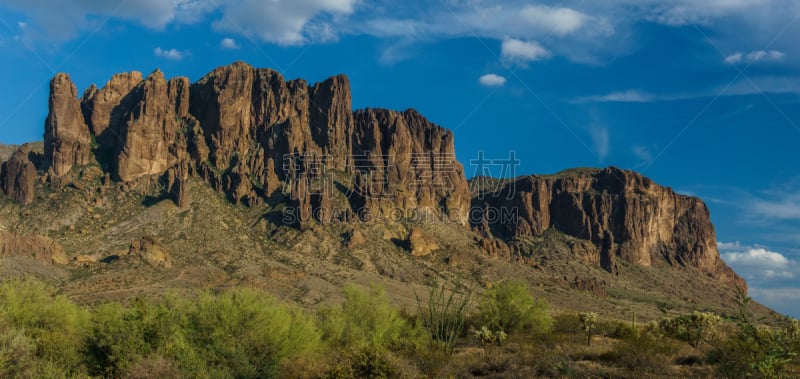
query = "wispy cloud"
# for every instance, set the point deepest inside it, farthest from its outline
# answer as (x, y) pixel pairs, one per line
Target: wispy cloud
(742, 87)
(776, 205)
(173, 54)
(628, 96)
(600, 140)
(755, 56)
(492, 80)
(643, 154)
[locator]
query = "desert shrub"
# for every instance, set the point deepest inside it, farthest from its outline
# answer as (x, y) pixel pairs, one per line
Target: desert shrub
(17, 355)
(753, 351)
(50, 326)
(365, 363)
(694, 328)
(642, 352)
(567, 323)
(245, 333)
(756, 352)
(366, 320)
(510, 307)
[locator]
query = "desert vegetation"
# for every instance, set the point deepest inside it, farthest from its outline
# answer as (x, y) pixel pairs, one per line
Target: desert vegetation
(246, 333)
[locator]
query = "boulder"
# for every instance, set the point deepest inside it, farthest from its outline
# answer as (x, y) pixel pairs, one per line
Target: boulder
(420, 243)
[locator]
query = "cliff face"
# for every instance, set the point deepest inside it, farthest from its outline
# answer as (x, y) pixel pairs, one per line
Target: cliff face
(66, 138)
(255, 136)
(625, 215)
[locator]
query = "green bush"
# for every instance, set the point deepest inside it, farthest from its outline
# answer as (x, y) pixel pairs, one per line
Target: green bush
(756, 352)
(366, 320)
(247, 334)
(510, 307)
(51, 326)
(753, 351)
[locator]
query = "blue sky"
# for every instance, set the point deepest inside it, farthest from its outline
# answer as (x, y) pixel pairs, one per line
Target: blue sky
(701, 96)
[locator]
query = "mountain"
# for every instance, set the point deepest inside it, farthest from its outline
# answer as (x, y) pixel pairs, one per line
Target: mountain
(151, 184)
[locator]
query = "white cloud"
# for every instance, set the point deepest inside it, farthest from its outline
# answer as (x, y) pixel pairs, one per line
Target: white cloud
(733, 58)
(755, 56)
(284, 22)
(519, 52)
(229, 43)
(172, 54)
(757, 262)
(761, 55)
(757, 257)
(560, 21)
(492, 80)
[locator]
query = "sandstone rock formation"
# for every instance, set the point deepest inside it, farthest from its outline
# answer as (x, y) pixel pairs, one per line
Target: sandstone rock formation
(624, 214)
(66, 137)
(40, 248)
(18, 177)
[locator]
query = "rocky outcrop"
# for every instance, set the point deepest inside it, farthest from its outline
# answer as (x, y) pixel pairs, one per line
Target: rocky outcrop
(67, 142)
(149, 141)
(104, 109)
(150, 251)
(404, 161)
(420, 243)
(625, 215)
(40, 248)
(270, 136)
(18, 177)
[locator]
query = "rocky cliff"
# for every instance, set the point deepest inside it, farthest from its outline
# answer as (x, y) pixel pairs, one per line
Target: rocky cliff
(66, 137)
(257, 137)
(625, 215)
